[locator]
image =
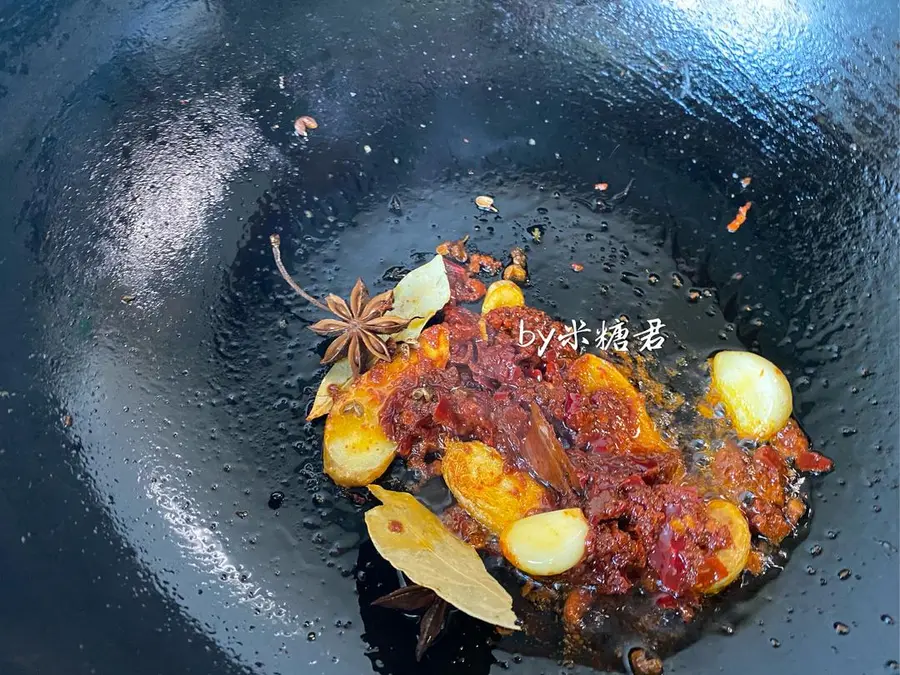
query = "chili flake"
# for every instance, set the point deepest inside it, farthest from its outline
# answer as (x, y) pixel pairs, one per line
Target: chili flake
(739, 219)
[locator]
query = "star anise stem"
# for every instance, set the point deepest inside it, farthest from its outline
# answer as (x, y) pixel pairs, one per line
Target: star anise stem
(275, 240)
(358, 327)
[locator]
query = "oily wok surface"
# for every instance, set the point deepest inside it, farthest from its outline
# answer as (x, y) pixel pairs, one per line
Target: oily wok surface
(148, 151)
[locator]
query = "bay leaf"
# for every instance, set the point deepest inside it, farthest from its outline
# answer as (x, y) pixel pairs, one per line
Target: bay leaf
(417, 543)
(422, 293)
(339, 374)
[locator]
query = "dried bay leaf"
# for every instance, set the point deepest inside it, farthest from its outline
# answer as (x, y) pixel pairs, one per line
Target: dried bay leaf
(339, 374)
(422, 293)
(417, 543)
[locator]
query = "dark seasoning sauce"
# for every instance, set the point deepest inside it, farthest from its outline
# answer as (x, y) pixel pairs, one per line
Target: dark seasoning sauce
(651, 540)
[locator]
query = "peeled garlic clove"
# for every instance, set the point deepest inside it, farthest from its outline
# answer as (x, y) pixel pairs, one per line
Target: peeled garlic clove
(502, 294)
(756, 394)
(547, 543)
(732, 559)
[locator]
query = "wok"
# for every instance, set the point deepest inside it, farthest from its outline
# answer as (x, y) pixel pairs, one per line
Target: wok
(147, 151)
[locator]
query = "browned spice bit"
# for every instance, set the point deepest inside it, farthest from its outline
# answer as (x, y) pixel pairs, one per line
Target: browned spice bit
(535, 233)
(67, 421)
(354, 407)
(414, 598)
(395, 526)
(301, 124)
(358, 327)
(486, 204)
(745, 182)
(515, 273)
(677, 281)
(693, 295)
(404, 350)
(479, 262)
(421, 394)
(395, 205)
(128, 299)
(578, 601)
(454, 249)
(578, 267)
(644, 663)
(519, 257)
(601, 187)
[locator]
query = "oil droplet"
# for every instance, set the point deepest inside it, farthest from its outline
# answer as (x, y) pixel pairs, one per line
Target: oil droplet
(775, 643)
(892, 665)
(810, 570)
(311, 636)
(677, 281)
(832, 534)
(815, 550)
(653, 279)
(887, 619)
(844, 574)
(841, 628)
(276, 499)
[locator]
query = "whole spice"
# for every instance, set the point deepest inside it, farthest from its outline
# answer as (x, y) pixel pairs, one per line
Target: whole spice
(454, 249)
(479, 262)
(353, 407)
(643, 662)
(414, 598)
(485, 203)
(578, 267)
(518, 257)
(421, 394)
(301, 124)
(427, 552)
(545, 455)
(515, 273)
(358, 327)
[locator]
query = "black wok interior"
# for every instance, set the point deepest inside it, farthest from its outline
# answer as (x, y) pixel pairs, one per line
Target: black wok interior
(147, 150)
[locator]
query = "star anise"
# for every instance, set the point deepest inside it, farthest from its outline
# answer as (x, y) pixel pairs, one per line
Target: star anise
(413, 598)
(358, 326)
